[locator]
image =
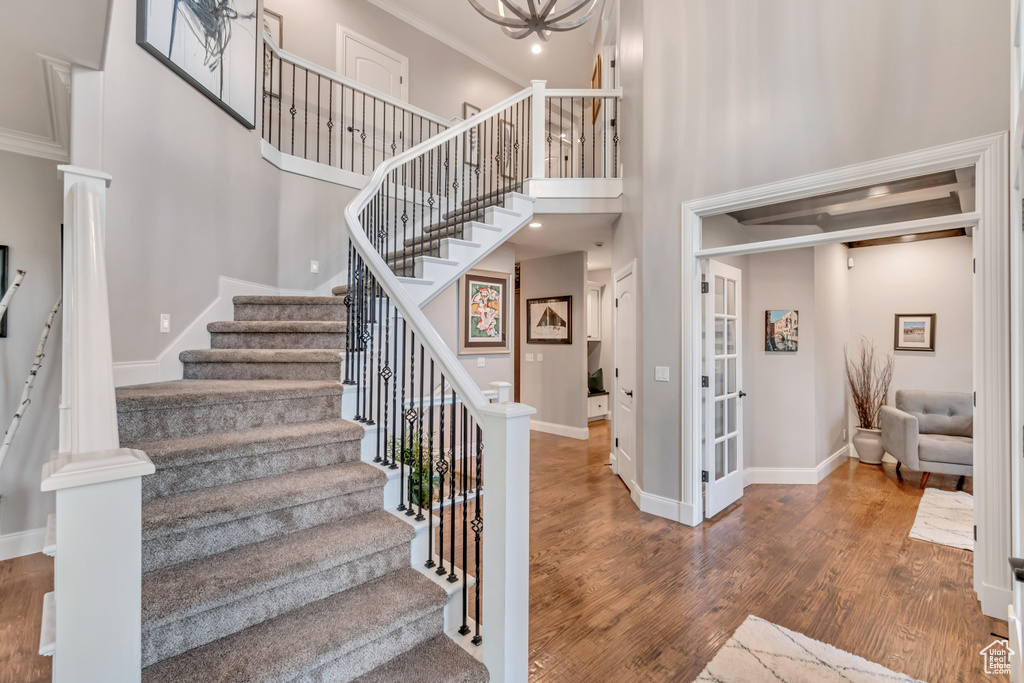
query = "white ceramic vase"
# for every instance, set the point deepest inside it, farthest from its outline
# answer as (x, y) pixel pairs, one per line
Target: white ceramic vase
(868, 443)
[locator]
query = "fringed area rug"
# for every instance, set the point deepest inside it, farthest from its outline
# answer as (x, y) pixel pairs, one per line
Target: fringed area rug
(760, 651)
(946, 518)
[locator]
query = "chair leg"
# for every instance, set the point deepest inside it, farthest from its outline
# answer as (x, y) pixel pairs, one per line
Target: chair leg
(960, 483)
(924, 478)
(898, 466)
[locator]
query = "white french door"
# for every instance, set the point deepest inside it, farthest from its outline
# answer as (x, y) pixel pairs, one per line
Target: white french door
(723, 397)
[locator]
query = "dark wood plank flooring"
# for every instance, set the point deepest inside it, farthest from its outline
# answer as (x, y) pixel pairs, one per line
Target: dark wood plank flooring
(619, 595)
(23, 582)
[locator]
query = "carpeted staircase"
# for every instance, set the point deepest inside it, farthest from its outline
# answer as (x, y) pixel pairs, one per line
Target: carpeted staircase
(267, 553)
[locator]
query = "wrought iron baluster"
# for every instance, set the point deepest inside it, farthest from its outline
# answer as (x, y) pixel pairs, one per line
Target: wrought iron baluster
(410, 415)
(386, 373)
(442, 469)
(419, 444)
(478, 527)
(348, 316)
(400, 417)
(330, 124)
(362, 134)
(615, 140)
(464, 629)
(396, 408)
(430, 474)
(452, 453)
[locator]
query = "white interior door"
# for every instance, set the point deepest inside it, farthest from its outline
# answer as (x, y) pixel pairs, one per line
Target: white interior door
(623, 417)
(723, 398)
(372, 64)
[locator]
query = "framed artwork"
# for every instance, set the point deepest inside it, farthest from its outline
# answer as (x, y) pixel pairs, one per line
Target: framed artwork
(273, 27)
(914, 332)
(4, 277)
(595, 84)
(549, 321)
(781, 331)
(471, 140)
(506, 143)
(485, 315)
(211, 45)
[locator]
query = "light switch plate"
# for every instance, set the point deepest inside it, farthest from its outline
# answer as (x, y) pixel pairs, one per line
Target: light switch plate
(660, 373)
(529, 357)
(165, 323)
(481, 362)
(540, 357)
(314, 266)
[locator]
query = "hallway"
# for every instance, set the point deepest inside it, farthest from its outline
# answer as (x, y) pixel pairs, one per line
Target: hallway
(619, 595)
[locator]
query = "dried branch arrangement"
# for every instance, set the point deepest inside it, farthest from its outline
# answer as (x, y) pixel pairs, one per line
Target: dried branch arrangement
(869, 383)
(26, 392)
(11, 291)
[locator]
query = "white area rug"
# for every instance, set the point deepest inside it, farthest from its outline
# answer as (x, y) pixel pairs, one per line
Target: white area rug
(945, 517)
(760, 651)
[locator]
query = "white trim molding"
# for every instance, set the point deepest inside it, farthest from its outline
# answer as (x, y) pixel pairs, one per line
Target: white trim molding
(311, 169)
(796, 475)
(995, 421)
(660, 506)
(56, 145)
(449, 39)
(21, 543)
(581, 433)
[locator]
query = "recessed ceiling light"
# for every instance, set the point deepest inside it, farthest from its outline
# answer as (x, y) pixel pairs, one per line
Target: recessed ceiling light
(536, 49)
(535, 225)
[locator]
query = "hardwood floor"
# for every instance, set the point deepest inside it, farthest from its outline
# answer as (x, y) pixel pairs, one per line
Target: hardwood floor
(618, 595)
(23, 582)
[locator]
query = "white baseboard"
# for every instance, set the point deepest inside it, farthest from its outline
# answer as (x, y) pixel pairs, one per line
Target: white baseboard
(614, 462)
(22, 543)
(995, 601)
(167, 367)
(795, 475)
(659, 506)
(581, 433)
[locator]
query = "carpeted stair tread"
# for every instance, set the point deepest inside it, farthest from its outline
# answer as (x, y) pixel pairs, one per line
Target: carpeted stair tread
(262, 356)
(340, 290)
(438, 660)
(186, 589)
(311, 637)
(286, 300)
(278, 326)
(189, 393)
(207, 507)
(199, 448)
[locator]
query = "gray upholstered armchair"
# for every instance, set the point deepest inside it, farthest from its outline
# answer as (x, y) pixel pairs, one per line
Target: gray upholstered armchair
(931, 431)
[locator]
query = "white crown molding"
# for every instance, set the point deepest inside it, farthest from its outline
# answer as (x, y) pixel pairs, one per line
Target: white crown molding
(56, 146)
(449, 39)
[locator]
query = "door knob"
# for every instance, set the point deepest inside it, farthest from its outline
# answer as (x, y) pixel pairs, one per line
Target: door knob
(742, 394)
(628, 393)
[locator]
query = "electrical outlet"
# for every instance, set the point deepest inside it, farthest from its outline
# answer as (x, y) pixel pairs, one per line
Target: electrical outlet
(314, 266)
(844, 434)
(529, 358)
(540, 357)
(165, 323)
(481, 362)
(660, 373)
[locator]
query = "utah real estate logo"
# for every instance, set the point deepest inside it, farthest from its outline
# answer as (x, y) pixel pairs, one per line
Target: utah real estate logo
(997, 657)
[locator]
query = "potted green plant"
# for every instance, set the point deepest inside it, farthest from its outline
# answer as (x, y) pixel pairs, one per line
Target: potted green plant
(869, 384)
(421, 476)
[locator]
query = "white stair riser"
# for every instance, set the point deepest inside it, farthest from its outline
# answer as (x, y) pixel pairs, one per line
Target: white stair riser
(458, 250)
(430, 268)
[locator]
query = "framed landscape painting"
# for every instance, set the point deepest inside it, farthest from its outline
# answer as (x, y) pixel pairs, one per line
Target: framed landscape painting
(914, 332)
(549, 321)
(485, 317)
(211, 45)
(781, 331)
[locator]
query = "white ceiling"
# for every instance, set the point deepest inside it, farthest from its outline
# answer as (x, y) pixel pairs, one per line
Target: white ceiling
(70, 31)
(565, 61)
(564, 233)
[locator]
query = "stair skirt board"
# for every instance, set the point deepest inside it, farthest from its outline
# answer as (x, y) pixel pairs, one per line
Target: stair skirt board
(269, 547)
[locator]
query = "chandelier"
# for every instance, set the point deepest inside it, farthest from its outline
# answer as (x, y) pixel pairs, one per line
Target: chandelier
(519, 22)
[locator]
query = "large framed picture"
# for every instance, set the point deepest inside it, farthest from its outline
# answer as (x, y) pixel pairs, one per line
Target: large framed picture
(211, 45)
(485, 316)
(914, 332)
(471, 140)
(781, 331)
(4, 277)
(549, 321)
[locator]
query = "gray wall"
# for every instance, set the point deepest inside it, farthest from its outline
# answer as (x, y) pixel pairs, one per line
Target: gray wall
(556, 386)
(831, 330)
(443, 314)
(738, 94)
(440, 77)
(31, 195)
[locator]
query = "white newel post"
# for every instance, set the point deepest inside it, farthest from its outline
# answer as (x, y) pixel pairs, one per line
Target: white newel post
(506, 567)
(538, 132)
(98, 562)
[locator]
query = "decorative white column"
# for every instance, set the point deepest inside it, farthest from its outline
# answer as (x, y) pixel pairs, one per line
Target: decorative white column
(506, 542)
(538, 130)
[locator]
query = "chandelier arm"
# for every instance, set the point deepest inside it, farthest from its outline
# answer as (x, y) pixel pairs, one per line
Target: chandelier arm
(515, 9)
(517, 35)
(575, 8)
(549, 5)
(496, 18)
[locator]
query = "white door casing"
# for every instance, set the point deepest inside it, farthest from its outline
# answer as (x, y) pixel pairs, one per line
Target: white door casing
(372, 64)
(723, 398)
(623, 414)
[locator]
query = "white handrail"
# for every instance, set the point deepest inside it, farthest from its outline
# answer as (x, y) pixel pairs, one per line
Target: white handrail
(577, 92)
(355, 85)
(472, 396)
